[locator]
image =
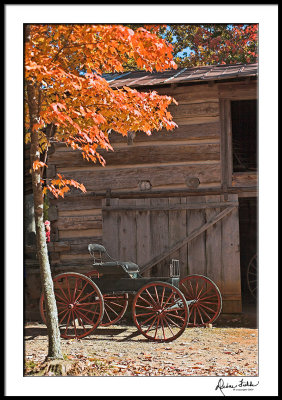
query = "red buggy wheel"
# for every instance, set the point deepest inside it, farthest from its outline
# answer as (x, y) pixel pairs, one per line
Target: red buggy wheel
(252, 276)
(115, 307)
(80, 305)
(208, 301)
(160, 312)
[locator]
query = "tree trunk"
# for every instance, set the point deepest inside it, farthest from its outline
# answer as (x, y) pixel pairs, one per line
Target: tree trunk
(54, 348)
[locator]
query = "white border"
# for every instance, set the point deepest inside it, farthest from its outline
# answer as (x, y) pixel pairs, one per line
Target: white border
(15, 16)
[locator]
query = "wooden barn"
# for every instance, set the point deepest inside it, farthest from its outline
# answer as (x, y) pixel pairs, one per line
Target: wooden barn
(189, 194)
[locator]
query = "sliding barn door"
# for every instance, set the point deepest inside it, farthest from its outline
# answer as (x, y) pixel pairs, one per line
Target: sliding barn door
(202, 232)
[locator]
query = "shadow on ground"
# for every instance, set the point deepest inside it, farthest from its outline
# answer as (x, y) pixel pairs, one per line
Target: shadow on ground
(247, 319)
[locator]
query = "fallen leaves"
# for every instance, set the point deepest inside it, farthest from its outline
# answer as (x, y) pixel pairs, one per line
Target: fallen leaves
(203, 352)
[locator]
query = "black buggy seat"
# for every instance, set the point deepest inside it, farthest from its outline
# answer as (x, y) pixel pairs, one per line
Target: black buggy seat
(106, 265)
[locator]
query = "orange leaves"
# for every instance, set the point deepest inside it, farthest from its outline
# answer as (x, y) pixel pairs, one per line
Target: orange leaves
(66, 62)
(56, 106)
(140, 63)
(38, 164)
(38, 126)
(103, 48)
(58, 187)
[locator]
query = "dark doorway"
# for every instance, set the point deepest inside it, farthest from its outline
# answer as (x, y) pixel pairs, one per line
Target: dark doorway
(248, 248)
(244, 135)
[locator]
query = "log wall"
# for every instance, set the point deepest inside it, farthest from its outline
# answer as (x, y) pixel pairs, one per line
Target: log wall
(194, 156)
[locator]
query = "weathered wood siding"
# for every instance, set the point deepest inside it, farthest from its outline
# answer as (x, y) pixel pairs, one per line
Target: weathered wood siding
(139, 231)
(167, 159)
(195, 155)
(75, 222)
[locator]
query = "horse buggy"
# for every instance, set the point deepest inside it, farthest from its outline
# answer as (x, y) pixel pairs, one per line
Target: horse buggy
(162, 308)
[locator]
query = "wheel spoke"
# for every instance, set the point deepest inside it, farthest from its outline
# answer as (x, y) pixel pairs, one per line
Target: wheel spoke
(252, 275)
(206, 292)
(87, 295)
(141, 315)
(74, 292)
(74, 324)
(68, 287)
(172, 322)
(90, 322)
(144, 322)
(67, 324)
(109, 307)
(184, 288)
(200, 315)
(156, 330)
(57, 295)
(162, 324)
(155, 304)
(206, 307)
(106, 315)
(80, 321)
(170, 296)
(81, 291)
(73, 316)
(61, 320)
(208, 297)
(157, 296)
(115, 306)
(193, 296)
(175, 316)
(150, 327)
(158, 326)
(145, 307)
(162, 301)
(209, 303)
(142, 298)
(200, 308)
(92, 303)
(169, 327)
(88, 311)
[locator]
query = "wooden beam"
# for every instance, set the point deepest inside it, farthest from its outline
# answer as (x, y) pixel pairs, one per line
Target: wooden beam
(190, 237)
(238, 91)
(160, 174)
(168, 207)
(142, 155)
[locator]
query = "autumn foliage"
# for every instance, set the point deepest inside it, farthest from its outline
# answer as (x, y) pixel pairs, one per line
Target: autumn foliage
(76, 106)
(65, 63)
(210, 44)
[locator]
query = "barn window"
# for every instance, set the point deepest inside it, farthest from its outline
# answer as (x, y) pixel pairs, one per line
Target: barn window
(244, 135)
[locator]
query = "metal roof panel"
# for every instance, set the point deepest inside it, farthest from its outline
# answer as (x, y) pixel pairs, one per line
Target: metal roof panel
(208, 72)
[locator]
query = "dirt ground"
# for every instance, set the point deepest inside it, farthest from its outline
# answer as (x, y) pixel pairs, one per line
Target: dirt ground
(228, 348)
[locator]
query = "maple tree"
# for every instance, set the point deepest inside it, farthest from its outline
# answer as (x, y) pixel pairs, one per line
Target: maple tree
(68, 101)
(212, 43)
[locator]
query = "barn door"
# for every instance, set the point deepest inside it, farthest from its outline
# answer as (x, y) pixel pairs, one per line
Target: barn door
(201, 231)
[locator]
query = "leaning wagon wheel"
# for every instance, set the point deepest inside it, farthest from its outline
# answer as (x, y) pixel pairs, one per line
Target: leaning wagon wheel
(160, 312)
(252, 276)
(79, 302)
(208, 301)
(115, 307)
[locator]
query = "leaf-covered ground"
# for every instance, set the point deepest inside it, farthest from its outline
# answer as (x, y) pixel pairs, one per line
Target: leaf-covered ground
(118, 351)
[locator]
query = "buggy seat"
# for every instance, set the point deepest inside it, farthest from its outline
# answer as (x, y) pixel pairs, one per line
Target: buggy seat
(105, 264)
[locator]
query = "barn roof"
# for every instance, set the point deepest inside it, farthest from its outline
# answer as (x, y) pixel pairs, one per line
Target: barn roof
(182, 75)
